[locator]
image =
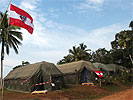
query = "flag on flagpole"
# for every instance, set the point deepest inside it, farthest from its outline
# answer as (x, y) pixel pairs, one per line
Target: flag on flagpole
(20, 18)
(99, 73)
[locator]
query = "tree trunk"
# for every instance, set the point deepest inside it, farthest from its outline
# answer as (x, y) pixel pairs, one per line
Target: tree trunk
(2, 58)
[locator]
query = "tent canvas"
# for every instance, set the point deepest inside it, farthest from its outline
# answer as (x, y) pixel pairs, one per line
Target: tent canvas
(105, 70)
(37, 73)
(117, 69)
(110, 69)
(78, 72)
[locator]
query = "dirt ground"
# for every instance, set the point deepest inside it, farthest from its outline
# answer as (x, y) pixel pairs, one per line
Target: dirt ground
(76, 92)
(124, 95)
(72, 93)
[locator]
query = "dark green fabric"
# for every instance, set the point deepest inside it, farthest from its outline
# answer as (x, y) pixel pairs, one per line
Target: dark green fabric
(29, 70)
(103, 66)
(109, 67)
(76, 66)
(115, 67)
(38, 73)
(75, 72)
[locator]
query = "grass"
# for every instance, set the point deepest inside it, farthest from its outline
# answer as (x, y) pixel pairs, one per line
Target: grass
(112, 88)
(90, 93)
(76, 92)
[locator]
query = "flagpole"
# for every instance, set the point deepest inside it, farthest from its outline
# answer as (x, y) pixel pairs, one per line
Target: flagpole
(2, 56)
(5, 11)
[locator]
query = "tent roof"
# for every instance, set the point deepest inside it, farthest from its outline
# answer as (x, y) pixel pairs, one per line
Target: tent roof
(31, 69)
(76, 66)
(114, 67)
(109, 67)
(103, 66)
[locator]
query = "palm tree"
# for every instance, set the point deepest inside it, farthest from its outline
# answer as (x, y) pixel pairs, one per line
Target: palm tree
(131, 25)
(80, 52)
(9, 38)
(68, 58)
(101, 55)
(75, 53)
(122, 39)
(83, 52)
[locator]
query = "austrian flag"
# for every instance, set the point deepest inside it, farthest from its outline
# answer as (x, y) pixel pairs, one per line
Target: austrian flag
(20, 18)
(99, 73)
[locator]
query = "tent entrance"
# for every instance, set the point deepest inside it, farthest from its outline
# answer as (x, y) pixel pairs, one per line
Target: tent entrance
(38, 79)
(85, 76)
(40, 87)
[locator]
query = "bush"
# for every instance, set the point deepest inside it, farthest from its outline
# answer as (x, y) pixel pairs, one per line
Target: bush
(107, 80)
(126, 78)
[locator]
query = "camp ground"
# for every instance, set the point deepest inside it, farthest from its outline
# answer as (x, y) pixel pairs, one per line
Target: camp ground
(78, 72)
(34, 77)
(89, 43)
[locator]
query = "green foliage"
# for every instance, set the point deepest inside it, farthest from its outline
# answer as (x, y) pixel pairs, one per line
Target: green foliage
(112, 88)
(76, 54)
(24, 63)
(66, 59)
(101, 55)
(122, 47)
(131, 25)
(126, 78)
(107, 80)
(123, 40)
(9, 36)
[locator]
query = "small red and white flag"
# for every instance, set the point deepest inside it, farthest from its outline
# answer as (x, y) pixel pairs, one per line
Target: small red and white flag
(99, 73)
(20, 18)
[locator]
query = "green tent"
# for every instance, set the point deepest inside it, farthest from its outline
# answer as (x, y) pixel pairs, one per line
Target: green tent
(23, 78)
(110, 69)
(78, 72)
(105, 70)
(116, 69)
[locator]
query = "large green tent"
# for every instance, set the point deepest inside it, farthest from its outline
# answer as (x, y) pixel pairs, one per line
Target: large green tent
(116, 69)
(78, 72)
(23, 78)
(105, 70)
(110, 69)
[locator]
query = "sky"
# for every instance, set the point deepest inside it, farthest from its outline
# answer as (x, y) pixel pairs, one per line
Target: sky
(61, 24)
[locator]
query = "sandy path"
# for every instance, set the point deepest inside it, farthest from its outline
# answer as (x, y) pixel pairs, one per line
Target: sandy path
(124, 95)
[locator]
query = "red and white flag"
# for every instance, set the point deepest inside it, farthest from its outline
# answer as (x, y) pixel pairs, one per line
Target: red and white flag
(99, 73)
(20, 18)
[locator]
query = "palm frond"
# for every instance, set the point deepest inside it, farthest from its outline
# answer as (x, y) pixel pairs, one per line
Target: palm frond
(15, 41)
(12, 27)
(15, 48)
(16, 34)
(11, 36)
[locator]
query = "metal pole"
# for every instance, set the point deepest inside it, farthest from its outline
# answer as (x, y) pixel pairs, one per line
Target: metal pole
(2, 55)
(100, 83)
(2, 58)
(5, 12)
